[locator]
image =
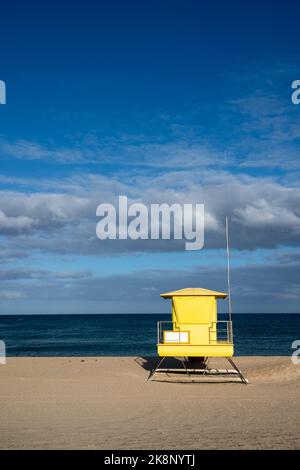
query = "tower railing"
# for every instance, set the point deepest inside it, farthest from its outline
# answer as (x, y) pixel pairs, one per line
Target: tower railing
(165, 326)
(221, 329)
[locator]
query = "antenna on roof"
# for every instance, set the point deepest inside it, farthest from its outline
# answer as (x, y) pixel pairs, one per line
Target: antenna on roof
(228, 267)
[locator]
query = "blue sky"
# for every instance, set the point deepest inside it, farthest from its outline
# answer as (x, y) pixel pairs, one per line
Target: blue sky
(173, 101)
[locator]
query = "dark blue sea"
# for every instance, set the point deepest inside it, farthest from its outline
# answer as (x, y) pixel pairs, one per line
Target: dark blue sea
(133, 335)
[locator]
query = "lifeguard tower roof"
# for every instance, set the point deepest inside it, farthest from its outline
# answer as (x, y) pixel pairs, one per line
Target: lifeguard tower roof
(194, 291)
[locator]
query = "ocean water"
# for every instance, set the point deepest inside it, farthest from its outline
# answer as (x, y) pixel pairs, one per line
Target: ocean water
(134, 335)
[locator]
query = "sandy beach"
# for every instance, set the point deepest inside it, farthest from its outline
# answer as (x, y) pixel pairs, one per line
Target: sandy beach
(105, 403)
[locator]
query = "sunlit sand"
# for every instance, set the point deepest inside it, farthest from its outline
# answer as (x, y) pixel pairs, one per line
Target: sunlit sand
(106, 403)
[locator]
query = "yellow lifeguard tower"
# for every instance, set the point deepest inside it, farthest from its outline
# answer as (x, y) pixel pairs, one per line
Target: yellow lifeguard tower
(195, 334)
(195, 326)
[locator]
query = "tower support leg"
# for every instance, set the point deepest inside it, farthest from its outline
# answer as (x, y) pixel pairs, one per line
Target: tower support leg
(183, 362)
(156, 368)
(241, 376)
(206, 365)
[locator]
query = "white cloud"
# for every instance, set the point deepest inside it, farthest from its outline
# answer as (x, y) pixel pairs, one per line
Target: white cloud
(21, 212)
(12, 295)
(263, 212)
(15, 223)
(277, 283)
(122, 150)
